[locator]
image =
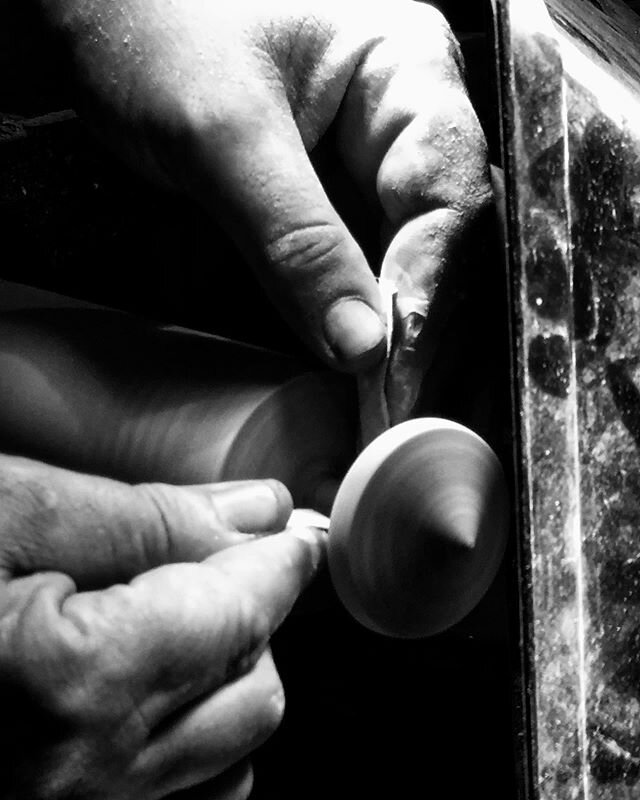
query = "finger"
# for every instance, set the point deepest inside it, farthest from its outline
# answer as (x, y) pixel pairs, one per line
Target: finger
(188, 629)
(99, 531)
(255, 506)
(422, 152)
(435, 205)
(411, 68)
(235, 784)
(424, 156)
(260, 178)
(224, 728)
(424, 262)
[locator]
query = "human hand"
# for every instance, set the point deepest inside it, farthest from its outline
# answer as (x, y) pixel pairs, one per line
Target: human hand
(161, 682)
(225, 101)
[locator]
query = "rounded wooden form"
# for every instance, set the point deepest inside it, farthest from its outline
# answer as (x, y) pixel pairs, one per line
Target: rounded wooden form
(418, 528)
(102, 392)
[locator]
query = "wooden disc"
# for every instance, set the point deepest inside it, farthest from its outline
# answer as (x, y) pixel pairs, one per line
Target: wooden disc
(103, 392)
(418, 528)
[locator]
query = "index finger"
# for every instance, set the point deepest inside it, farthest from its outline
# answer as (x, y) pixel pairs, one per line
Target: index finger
(423, 155)
(407, 110)
(184, 630)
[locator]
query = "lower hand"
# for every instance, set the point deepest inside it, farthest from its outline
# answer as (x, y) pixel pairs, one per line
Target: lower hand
(124, 674)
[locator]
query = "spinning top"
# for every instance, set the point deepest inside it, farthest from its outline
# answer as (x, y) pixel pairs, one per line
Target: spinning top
(418, 528)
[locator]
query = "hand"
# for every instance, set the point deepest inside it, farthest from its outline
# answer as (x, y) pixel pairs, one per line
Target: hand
(164, 681)
(226, 100)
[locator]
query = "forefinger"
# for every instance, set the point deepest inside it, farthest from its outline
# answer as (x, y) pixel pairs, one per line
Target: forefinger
(185, 630)
(410, 136)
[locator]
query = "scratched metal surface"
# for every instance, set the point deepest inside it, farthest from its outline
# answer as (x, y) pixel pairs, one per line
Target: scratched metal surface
(571, 72)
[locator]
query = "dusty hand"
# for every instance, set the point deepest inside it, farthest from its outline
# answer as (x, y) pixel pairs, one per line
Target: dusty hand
(225, 100)
(161, 682)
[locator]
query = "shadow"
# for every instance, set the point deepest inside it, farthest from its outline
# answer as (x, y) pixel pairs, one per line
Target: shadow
(626, 397)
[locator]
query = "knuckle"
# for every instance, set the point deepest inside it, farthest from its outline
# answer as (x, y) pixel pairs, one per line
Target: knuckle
(416, 40)
(252, 622)
(162, 509)
(241, 621)
(31, 509)
(180, 523)
(480, 199)
(430, 13)
(55, 654)
(439, 160)
(202, 133)
(453, 118)
(437, 36)
(204, 126)
(60, 701)
(103, 656)
(273, 704)
(309, 247)
(273, 713)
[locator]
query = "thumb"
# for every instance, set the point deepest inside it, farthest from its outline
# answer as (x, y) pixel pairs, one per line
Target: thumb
(100, 531)
(260, 180)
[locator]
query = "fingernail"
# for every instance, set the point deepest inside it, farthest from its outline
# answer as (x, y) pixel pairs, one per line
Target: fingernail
(354, 332)
(282, 494)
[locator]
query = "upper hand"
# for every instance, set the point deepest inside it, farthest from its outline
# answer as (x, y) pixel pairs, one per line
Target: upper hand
(123, 678)
(226, 100)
